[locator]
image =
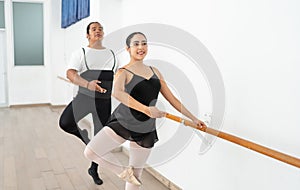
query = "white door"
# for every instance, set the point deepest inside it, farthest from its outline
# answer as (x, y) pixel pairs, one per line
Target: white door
(3, 89)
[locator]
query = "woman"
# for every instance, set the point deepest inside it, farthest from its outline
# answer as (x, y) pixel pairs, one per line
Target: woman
(85, 68)
(136, 86)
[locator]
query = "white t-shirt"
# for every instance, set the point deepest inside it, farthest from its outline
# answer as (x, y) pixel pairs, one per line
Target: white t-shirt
(102, 59)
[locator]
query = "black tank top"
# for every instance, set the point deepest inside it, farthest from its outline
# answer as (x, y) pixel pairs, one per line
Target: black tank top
(132, 124)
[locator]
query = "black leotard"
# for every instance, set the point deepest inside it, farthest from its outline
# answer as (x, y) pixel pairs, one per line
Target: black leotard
(134, 125)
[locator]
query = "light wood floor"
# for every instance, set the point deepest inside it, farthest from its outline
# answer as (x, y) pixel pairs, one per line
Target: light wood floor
(36, 155)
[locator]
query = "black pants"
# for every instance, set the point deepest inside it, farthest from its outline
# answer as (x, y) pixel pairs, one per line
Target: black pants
(81, 106)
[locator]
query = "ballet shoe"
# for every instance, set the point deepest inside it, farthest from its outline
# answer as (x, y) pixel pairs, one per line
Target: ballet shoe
(127, 175)
(94, 174)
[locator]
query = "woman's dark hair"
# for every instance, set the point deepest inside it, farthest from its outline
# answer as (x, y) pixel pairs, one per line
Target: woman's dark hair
(128, 39)
(89, 26)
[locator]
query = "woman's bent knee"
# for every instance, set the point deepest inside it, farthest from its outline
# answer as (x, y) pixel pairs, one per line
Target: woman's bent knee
(88, 153)
(67, 125)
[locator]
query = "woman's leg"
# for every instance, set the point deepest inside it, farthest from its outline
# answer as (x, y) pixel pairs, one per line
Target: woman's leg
(98, 149)
(138, 158)
(75, 111)
(101, 113)
(68, 124)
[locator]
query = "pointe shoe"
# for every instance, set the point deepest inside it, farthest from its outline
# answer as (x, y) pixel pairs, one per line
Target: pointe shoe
(127, 175)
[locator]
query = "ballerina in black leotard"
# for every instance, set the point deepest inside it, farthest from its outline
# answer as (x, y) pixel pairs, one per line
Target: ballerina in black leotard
(137, 87)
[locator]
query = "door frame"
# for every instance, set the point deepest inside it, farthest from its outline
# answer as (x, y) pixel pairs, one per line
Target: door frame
(4, 60)
(17, 74)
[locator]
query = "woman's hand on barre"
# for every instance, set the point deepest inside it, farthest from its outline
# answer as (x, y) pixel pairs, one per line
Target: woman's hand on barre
(199, 123)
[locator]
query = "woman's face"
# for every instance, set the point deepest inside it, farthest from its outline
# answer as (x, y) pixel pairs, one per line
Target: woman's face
(138, 47)
(95, 32)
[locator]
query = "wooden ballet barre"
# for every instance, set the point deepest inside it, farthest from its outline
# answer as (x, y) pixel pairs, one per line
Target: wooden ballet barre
(242, 142)
(64, 79)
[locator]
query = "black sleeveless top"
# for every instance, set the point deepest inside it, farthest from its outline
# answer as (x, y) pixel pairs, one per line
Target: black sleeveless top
(105, 76)
(134, 125)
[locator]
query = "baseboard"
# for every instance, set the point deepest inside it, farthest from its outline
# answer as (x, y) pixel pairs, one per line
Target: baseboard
(29, 105)
(37, 105)
(58, 105)
(154, 173)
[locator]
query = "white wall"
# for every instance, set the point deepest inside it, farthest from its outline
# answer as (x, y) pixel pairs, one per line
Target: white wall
(63, 42)
(255, 45)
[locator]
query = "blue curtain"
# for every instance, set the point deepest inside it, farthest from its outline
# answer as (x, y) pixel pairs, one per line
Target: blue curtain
(73, 11)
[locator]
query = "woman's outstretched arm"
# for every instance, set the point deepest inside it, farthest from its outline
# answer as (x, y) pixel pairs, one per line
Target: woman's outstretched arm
(169, 96)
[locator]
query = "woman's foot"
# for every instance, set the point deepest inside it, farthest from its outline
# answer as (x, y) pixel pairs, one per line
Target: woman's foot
(127, 175)
(94, 174)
